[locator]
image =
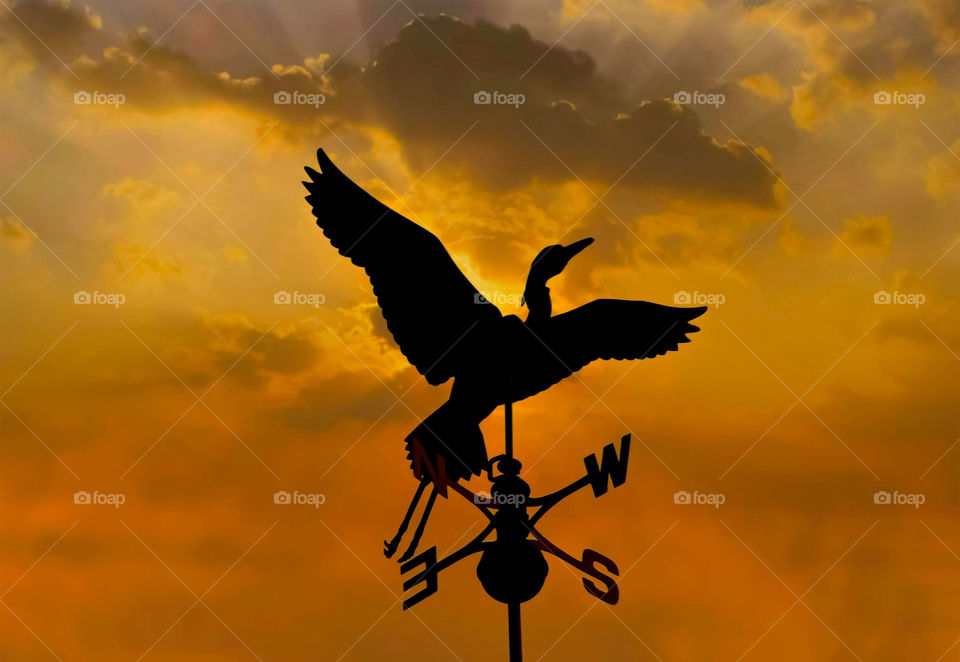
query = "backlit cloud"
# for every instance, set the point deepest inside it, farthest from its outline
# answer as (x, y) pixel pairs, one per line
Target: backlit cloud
(573, 123)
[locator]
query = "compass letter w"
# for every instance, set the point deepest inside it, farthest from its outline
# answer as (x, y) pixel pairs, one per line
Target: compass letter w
(609, 466)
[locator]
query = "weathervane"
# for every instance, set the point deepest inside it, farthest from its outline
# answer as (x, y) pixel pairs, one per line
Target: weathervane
(447, 329)
(512, 568)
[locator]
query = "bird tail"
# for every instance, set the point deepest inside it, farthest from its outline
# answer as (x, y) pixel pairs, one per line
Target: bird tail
(446, 447)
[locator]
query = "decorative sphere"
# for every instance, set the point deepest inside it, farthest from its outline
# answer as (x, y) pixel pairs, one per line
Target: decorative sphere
(512, 572)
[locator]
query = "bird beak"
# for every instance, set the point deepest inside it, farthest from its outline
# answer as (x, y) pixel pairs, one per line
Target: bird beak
(576, 247)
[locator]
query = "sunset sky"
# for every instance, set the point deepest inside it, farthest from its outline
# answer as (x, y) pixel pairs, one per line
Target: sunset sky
(793, 163)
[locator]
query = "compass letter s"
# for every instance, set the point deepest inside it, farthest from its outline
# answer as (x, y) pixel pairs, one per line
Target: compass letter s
(610, 465)
(590, 558)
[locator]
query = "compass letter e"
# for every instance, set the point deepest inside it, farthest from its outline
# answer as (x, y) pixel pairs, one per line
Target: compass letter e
(427, 576)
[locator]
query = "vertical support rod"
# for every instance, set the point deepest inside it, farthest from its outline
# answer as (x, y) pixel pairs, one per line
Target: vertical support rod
(513, 608)
(513, 618)
(508, 431)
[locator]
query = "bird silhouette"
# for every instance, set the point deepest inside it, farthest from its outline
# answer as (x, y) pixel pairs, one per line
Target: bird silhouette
(447, 330)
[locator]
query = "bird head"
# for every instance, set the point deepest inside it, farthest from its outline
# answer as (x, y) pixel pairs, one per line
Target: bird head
(551, 261)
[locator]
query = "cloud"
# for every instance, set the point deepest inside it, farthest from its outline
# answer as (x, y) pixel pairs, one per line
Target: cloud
(145, 199)
(572, 119)
(763, 85)
(864, 234)
(144, 261)
(44, 27)
(344, 396)
(940, 314)
(793, 242)
(234, 253)
(853, 49)
(254, 356)
(943, 175)
(944, 19)
(14, 235)
(573, 123)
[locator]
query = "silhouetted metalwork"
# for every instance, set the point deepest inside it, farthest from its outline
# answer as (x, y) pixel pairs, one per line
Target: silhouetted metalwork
(512, 568)
(447, 329)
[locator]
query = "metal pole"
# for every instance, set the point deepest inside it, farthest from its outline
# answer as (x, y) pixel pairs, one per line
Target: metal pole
(513, 608)
(508, 432)
(508, 418)
(513, 618)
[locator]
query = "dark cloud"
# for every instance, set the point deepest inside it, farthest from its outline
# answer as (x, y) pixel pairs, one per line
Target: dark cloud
(14, 234)
(421, 87)
(571, 120)
(870, 234)
(42, 27)
(343, 396)
(944, 19)
(253, 356)
(942, 326)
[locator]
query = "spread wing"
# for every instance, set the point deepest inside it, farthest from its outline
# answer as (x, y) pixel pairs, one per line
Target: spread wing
(429, 305)
(606, 329)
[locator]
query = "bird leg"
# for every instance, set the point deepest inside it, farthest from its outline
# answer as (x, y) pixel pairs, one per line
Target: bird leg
(390, 547)
(420, 527)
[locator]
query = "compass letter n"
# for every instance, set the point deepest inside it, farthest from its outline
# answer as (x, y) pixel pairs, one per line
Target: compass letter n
(438, 474)
(610, 465)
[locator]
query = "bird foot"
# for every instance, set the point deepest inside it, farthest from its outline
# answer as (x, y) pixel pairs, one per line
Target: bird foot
(407, 555)
(390, 547)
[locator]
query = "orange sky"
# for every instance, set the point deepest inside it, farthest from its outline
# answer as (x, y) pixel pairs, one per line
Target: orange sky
(147, 164)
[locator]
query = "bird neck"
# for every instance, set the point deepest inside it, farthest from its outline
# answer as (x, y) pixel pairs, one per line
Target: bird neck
(538, 303)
